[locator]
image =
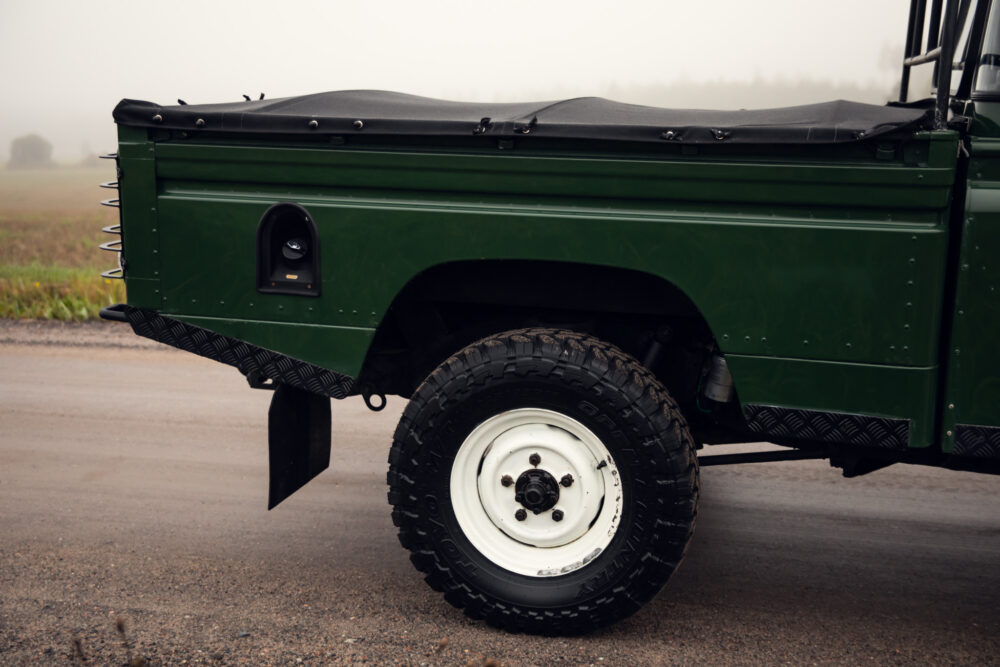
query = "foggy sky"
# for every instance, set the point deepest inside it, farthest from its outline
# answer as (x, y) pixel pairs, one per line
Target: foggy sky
(64, 65)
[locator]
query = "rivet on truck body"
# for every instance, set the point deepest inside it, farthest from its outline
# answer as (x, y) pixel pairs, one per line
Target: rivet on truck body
(200, 122)
(157, 118)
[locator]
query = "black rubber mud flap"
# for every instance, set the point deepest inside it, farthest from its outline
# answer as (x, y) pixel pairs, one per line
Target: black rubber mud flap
(298, 440)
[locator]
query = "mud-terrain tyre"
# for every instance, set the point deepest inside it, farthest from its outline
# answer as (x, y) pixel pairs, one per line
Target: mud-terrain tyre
(523, 425)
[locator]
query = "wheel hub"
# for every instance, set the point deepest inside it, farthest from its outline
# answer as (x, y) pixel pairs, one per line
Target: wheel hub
(536, 490)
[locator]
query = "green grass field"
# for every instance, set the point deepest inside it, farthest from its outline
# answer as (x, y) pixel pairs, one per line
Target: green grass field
(50, 227)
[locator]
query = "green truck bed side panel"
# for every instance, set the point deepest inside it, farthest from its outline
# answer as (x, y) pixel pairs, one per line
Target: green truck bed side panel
(835, 263)
(861, 293)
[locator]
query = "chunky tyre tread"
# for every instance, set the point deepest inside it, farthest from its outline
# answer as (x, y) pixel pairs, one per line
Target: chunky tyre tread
(593, 367)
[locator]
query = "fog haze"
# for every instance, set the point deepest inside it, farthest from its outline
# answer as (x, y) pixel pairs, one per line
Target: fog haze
(64, 65)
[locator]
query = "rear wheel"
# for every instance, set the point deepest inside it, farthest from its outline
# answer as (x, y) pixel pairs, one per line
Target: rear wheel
(544, 481)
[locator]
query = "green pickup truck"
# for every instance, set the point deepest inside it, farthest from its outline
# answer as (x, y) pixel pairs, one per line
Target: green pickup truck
(579, 297)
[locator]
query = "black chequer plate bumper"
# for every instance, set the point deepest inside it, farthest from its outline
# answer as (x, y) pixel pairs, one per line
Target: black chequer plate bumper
(254, 362)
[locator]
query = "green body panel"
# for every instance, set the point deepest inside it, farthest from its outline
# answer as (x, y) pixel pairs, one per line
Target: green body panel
(140, 233)
(820, 272)
(972, 395)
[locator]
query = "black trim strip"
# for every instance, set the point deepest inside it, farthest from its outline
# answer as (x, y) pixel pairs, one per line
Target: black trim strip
(979, 441)
(115, 313)
(835, 427)
(254, 362)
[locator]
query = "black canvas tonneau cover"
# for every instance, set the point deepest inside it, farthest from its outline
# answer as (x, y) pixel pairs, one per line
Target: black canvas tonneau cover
(592, 118)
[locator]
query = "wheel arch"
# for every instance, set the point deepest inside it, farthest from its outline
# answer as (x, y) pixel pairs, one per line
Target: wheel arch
(447, 306)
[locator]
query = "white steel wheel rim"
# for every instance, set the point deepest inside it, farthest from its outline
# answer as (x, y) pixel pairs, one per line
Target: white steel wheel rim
(538, 545)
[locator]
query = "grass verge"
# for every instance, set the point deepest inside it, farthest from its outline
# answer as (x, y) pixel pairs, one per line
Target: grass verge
(50, 225)
(37, 291)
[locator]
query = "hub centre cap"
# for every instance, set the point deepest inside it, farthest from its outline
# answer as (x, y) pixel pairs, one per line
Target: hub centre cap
(537, 490)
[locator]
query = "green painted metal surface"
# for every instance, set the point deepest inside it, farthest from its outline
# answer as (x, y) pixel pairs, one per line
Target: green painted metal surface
(140, 232)
(820, 271)
(972, 394)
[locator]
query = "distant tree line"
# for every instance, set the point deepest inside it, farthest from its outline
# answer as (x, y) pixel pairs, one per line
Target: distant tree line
(33, 151)
(30, 152)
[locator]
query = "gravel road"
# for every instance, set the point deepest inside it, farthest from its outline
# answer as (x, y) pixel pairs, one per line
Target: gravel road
(133, 486)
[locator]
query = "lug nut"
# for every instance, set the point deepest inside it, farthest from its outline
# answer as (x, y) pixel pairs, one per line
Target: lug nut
(557, 515)
(520, 515)
(567, 480)
(534, 459)
(506, 480)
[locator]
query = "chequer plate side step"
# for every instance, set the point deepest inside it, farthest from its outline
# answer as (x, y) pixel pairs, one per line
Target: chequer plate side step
(978, 441)
(835, 427)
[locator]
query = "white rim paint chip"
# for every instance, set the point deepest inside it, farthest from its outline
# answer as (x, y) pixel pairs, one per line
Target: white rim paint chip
(538, 546)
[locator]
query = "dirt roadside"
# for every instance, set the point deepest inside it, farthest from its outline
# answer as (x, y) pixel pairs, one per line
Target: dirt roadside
(72, 334)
